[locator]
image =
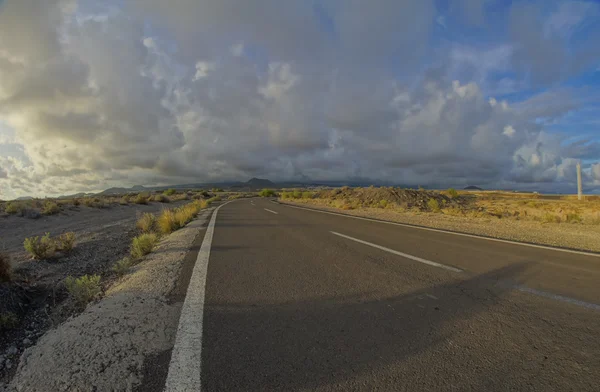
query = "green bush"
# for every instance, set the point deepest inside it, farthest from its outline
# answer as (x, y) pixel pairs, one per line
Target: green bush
(40, 248)
(213, 199)
(453, 193)
(433, 205)
(8, 320)
(50, 208)
(574, 218)
(83, 289)
(143, 244)
(267, 193)
(307, 195)
(14, 207)
(122, 266)
(65, 242)
(5, 268)
(383, 203)
(170, 192)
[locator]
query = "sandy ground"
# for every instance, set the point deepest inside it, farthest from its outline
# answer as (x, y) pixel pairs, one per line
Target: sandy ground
(573, 236)
(37, 295)
(105, 347)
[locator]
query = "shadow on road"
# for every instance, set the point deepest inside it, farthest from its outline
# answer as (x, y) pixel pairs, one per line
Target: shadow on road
(324, 342)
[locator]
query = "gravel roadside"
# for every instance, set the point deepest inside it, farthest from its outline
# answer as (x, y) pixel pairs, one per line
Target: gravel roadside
(564, 235)
(105, 347)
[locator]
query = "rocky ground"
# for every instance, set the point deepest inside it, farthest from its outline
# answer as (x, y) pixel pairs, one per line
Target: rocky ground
(37, 296)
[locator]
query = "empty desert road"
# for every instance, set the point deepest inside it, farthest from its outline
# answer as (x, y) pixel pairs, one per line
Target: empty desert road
(300, 300)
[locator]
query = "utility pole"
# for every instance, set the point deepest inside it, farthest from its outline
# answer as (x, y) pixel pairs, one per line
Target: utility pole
(579, 186)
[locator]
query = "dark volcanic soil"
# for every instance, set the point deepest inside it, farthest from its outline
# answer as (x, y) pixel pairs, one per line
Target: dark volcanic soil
(37, 295)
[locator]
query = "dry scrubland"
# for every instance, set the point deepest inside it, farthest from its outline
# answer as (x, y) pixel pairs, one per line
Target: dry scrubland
(545, 219)
(58, 255)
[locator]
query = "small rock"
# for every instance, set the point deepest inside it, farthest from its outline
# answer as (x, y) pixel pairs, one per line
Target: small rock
(26, 342)
(12, 351)
(8, 364)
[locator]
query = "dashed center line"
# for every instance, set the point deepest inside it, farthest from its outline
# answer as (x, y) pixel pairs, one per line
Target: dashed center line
(271, 211)
(405, 255)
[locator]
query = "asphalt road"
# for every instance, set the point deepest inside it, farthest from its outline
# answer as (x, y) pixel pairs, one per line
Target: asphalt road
(300, 300)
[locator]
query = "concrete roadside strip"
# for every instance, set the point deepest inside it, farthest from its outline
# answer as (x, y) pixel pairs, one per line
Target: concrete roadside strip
(104, 348)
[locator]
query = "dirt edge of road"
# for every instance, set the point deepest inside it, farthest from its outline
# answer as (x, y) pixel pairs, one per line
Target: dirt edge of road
(572, 237)
(105, 347)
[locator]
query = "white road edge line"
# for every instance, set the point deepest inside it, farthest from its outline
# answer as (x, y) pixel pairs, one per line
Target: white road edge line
(578, 252)
(405, 255)
(557, 297)
(185, 366)
(271, 211)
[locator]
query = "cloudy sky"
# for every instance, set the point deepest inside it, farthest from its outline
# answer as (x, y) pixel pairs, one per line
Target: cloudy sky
(500, 94)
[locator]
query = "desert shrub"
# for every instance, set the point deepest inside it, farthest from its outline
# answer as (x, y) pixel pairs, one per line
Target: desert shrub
(40, 248)
(5, 268)
(146, 222)
(574, 218)
(297, 194)
(167, 222)
(307, 195)
(13, 207)
(8, 320)
(83, 289)
(433, 205)
(453, 193)
(213, 199)
(170, 192)
(550, 218)
(141, 199)
(205, 194)
(161, 198)
(50, 208)
(124, 200)
(76, 202)
(217, 190)
(65, 242)
(94, 202)
(287, 195)
(122, 266)
(143, 244)
(383, 203)
(267, 193)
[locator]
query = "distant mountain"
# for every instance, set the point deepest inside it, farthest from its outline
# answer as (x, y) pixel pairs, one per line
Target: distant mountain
(24, 198)
(473, 188)
(259, 183)
(119, 191)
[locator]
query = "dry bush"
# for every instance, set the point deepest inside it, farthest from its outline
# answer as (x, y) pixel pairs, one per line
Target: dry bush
(14, 207)
(141, 199)
(50, 208)
(83, 289)
(124, 200)
(167, 222)
(5, 268)
(65, 242)
(143, 244)
(433, 205)
(146, 222)
(161, 198)
(170, 192)
(40, 248)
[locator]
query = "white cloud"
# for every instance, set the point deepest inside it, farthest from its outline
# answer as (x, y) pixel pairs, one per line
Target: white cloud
(220, 90)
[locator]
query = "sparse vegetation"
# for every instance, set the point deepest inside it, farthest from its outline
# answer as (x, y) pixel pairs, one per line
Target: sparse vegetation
(124, 200)
(453, 193)
(167, 222)
(161, 198)
(433, 205)
(65, 242)
(8, 320)
(40, 248)
(83, 289)
(213, 199)
(146, 222)
(122, 266)
(267, 193)
(141, 199)
(170, 192)
(5, 268)
(50, 208)
(143, 244)
(14, 207)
